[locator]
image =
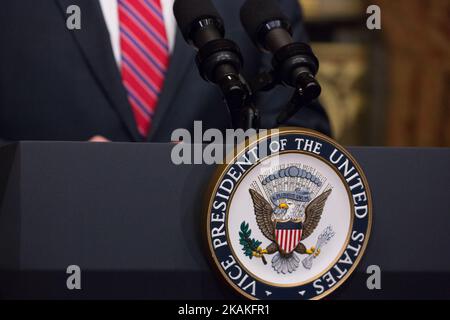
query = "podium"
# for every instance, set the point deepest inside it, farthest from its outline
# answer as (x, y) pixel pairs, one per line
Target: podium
(131, 220)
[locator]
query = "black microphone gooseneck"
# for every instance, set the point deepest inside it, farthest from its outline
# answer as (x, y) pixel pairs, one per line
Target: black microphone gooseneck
(294, 63)
(219, 60)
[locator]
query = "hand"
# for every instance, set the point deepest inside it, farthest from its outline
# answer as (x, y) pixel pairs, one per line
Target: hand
(99, 139)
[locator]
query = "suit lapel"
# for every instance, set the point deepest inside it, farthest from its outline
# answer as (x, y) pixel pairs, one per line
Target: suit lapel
(94, 42)
(182, 57)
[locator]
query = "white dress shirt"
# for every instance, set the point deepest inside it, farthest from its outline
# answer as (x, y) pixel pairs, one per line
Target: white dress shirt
(111, 13)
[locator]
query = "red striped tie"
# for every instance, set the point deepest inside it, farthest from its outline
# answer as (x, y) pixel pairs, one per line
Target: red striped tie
(145, 56)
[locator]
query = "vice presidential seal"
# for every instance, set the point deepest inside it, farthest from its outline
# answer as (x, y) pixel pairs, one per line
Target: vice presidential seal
(289, 217)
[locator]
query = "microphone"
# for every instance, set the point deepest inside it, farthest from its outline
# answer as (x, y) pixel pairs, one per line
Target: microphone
(219, 60)
(294, 63)
(199, 21)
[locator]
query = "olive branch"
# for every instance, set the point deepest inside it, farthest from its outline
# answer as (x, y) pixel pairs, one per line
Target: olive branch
(251, 247)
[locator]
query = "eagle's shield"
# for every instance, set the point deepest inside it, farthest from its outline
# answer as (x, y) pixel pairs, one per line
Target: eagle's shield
(288, 235)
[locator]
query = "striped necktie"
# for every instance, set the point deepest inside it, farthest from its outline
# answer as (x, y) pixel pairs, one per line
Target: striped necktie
(145, 56)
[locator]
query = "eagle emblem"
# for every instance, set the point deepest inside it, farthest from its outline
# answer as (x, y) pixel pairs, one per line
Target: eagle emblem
(290, 219)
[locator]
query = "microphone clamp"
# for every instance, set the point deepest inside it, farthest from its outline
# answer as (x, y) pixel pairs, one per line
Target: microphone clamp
(216, 53)
(296, 65)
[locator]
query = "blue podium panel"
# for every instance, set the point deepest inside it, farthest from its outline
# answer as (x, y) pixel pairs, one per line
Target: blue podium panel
(132, 221)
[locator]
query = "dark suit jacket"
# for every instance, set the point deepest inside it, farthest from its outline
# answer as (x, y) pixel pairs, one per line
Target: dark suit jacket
(57, 84)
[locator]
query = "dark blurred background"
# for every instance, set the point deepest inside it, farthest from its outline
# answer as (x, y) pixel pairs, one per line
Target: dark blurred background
(384, 87)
